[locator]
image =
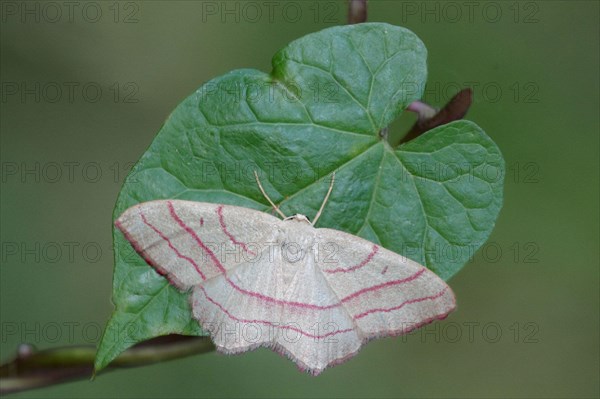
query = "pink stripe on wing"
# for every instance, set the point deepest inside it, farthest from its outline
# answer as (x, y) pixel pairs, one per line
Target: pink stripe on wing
(408, 302)
(361, 264)
(228, 234)
(191, 231)
(380, 286)
(170, 244)
(271, 323)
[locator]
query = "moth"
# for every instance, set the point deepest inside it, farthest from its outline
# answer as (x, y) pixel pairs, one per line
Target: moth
(314, 294)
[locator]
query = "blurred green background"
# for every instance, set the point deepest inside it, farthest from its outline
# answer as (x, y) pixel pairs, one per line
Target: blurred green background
(527, 321)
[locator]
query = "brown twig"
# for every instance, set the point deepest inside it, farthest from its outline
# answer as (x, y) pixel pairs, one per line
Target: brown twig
(357, 11)
(32, 369)
(429, 117)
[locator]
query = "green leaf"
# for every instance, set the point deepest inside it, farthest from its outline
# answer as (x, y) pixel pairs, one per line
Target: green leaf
(321, 109)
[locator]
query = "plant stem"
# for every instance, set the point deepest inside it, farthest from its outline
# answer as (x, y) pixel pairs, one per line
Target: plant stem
(357, 11)
(32, 369)
(429, 117)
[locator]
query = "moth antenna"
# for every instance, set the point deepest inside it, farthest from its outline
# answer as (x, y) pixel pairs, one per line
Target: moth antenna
(325, 200)
(262, 190)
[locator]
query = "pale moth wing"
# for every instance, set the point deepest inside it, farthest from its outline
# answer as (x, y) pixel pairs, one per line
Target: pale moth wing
(400, 295)
(182, 239)
(315, 295)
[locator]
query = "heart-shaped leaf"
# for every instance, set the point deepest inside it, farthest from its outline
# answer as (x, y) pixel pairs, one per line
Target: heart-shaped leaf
(322, 109)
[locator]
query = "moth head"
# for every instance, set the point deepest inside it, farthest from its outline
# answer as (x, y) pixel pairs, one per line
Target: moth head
(298, 218)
